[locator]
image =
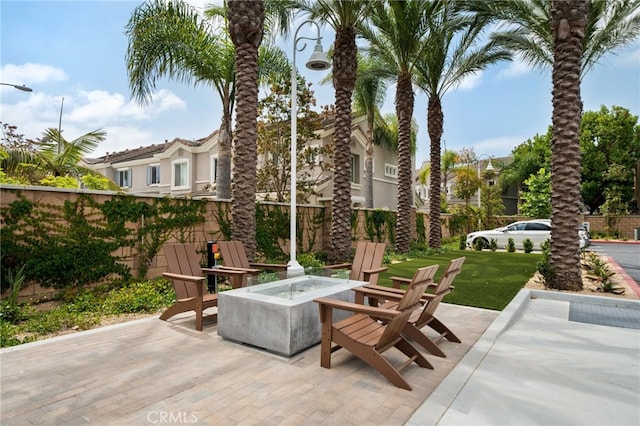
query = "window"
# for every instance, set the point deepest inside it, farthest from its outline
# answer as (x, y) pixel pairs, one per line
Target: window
(313, 154)
(214, 169)
(153, 174)
(180, 178)
(390, 170)
(123, 178)
(355, 168)
(536, 226)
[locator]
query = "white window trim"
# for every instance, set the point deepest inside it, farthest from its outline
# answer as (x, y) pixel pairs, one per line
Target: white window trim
(129, 172)
(149, 177)
(174, 163)
(390, 170)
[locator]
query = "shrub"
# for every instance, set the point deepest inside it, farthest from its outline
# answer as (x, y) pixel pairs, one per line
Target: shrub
(493, 244)
(462, 243)
(528, 245)
(511, 246)
(144, 296)
(478, 244)
(545, 268)
(598, 271)
(10, 309)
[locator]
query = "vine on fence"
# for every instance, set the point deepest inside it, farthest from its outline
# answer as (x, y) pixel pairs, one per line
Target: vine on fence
(68, 245)
(74, 244)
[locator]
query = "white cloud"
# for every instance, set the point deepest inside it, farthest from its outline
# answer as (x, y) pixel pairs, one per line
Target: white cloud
(500, 146)
(470, 82)
(515, 68)
(31, 73)
(631, 57)
(120, 138)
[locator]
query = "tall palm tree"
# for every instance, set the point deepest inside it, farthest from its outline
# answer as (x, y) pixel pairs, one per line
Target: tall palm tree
(343, 16)
(396, 38)
(368, 96)
(246, 25)
(455, 53)
(611, 25)
(568, 21)
(533, 30)
(170, 38)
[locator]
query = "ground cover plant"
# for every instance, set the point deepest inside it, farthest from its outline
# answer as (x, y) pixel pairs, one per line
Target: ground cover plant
(82, 309)
(488, 279)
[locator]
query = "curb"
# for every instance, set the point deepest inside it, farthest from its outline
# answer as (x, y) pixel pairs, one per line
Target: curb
(615, 241)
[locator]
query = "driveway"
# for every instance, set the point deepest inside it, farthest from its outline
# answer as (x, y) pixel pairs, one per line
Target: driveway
(626, 254)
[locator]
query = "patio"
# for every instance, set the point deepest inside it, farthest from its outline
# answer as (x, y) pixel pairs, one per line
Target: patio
(154, 372)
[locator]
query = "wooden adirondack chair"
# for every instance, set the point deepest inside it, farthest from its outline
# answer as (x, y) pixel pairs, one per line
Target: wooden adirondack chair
(424, 316)
(367, 262)
(234, 257)
(367, 338)
(189, 283)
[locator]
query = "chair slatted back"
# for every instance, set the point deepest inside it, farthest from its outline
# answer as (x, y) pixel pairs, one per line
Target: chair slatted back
(409, 302)
(443, 288)
(233, 254)
(369, 255)
(183, 259)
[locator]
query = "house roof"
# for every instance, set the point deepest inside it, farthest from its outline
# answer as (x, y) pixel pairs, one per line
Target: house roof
(145, 151)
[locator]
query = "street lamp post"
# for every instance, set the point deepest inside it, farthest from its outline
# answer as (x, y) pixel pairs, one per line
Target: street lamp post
(318, 62)
(23, 87)
(489, 168)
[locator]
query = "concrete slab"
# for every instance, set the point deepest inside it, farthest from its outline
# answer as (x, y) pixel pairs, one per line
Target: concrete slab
(535, 366)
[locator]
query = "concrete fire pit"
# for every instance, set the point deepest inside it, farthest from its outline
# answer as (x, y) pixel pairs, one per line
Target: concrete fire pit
(280, 316)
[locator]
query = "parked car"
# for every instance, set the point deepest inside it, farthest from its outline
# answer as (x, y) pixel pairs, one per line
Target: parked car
(538, 231)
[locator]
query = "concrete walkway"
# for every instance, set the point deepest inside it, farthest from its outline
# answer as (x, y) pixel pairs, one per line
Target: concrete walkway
(155, 372)
(548, 359)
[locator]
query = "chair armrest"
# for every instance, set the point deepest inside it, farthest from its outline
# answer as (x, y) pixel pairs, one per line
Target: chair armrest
(375, 270)
(397, 281)
(356, 308)
(390, 293)
(276, 266)
(231, 270)
(181, 277)
(339, 266)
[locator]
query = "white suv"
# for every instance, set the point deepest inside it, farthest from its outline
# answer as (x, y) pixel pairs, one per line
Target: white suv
(538, 231)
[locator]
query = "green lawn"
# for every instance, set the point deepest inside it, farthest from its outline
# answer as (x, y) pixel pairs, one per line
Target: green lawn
(488, 279)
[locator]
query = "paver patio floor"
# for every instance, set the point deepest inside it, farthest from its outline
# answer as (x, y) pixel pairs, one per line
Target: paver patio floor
(155, 372)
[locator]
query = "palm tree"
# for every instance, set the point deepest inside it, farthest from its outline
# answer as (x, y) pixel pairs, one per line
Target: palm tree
(611, 25)
(454, 53)
(602, 27)
(368, 96)
(246, 21)
(396, 39)
(568, 21)
(343, 16)
(52, 156)
(169, 38)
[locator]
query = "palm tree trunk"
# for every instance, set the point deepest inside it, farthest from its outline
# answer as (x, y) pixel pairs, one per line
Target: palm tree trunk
(368, 164)
(404, 111)
(246, 20)
(435, 123)
(568, 20)
(344, 77)
(223, 181)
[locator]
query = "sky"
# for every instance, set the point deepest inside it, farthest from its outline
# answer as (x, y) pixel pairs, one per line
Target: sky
(72, 54)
